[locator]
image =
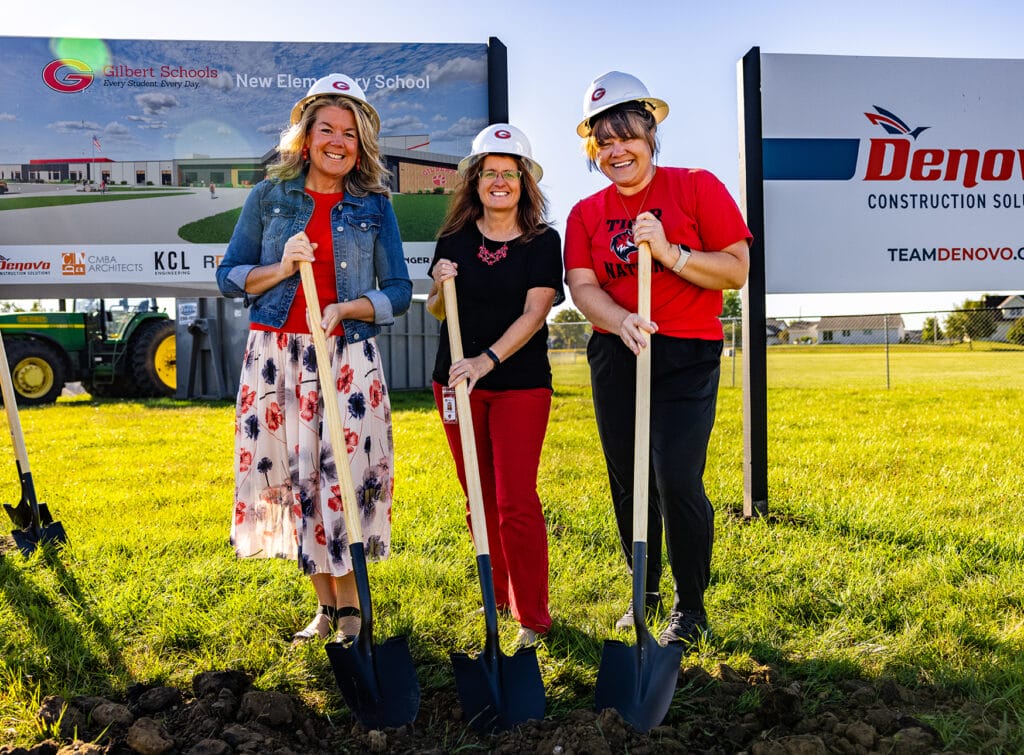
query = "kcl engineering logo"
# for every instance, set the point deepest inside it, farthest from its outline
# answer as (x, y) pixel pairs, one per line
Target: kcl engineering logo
(894, 157)
(67, 75)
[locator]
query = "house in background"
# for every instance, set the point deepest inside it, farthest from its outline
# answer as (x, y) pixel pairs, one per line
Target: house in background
(1006, 310)
(775, 331)
(802, 332)
(861, 329)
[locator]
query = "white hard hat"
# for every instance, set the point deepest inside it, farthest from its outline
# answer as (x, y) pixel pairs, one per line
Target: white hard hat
(614, 88)
(336, 85)
(501, 138)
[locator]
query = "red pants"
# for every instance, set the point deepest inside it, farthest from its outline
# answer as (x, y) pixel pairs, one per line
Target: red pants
(509, 428)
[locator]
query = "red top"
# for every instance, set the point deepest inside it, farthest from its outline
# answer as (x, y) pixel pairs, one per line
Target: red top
(318, 229)
(695, 209)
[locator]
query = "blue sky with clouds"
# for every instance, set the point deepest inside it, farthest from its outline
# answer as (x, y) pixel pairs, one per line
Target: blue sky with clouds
(684, 50)
(237, 103)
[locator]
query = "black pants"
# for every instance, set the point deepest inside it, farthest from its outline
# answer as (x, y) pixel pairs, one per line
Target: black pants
(684, 392)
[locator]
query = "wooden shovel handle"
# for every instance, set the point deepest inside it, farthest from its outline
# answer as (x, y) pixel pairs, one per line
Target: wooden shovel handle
(11, 409)
(465, 414)
(329, 392)
(642, 433)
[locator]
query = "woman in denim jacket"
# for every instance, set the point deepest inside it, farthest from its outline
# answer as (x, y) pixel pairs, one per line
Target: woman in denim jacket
(326, 201)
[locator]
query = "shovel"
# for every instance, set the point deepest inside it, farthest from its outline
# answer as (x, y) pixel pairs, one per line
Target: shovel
(378, 682)
(496, 691)
(639, 681)
(33, 520)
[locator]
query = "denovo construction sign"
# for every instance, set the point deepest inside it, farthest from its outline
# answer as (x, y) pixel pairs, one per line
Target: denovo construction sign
(125, 162)
(892, 174)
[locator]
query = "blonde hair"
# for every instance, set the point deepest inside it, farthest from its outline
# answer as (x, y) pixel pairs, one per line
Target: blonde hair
(370, 175)
(465, 206)
(630, 120)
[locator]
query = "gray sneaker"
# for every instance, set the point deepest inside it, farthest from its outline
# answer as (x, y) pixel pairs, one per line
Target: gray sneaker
(654, 609)
(688, 627)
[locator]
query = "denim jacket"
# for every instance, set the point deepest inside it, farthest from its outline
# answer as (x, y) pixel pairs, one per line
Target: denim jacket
(367, 254)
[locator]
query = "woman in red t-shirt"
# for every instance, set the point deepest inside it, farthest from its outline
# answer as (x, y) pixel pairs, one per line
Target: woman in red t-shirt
(699, 246)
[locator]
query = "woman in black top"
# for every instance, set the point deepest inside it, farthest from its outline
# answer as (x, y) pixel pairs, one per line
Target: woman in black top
(506, 261)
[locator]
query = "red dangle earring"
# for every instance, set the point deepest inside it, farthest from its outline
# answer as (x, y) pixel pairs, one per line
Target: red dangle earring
(305, 153)
(358, 161)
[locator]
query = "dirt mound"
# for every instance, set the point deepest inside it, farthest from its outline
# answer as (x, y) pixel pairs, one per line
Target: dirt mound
(721, 712)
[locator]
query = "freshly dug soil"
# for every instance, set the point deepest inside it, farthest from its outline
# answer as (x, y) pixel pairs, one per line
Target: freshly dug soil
(721, 712)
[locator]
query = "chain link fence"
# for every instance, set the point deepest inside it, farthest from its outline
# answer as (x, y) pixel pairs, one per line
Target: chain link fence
(872, 345)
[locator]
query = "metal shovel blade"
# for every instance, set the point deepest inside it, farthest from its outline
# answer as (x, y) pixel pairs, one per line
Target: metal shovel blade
(638, 681)
(31, 538)
(378, 682)
(497, 692)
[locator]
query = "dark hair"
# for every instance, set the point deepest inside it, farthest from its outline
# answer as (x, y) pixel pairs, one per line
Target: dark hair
(466, 207)
(630, 120)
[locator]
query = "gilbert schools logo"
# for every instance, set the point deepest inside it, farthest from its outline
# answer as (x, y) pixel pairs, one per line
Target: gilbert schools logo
(72, 263)
(894, 157)
(67, 75)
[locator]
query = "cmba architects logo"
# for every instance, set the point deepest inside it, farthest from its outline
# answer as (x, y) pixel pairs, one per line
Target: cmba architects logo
(72, 263)
(67, 75)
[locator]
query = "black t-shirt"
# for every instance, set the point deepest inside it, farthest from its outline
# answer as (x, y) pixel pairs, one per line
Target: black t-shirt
(492, 296)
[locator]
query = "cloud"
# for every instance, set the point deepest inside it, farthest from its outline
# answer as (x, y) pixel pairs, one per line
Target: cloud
(460, 129)
(402, 123)
(156, 104)
(457, 69)
(116, 129)
(270, 128)
(8, 117)
(225, 130)
(73, 127)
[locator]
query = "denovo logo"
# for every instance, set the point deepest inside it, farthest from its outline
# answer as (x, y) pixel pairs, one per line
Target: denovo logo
(894, 158)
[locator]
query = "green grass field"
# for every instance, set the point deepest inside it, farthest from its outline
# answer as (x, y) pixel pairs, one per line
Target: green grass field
(28, 202)
(419, 217)
(893, 546)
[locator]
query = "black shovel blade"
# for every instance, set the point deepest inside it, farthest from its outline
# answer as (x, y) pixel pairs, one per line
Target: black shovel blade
(32, 537)
(638, 681)
(499, 692)
(21, 514)
(378, 682)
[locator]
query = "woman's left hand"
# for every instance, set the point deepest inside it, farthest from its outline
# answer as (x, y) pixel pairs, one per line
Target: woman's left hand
(332, 316)
(471, 369)
(648, 228)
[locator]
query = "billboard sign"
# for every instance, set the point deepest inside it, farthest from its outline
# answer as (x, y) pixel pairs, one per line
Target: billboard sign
(124, 163)
(892, 174)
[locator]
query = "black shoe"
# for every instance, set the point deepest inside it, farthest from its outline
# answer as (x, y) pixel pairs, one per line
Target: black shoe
(687, 627)
(653, 609)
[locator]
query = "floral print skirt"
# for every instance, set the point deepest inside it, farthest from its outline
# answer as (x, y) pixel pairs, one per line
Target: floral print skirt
(288, 503)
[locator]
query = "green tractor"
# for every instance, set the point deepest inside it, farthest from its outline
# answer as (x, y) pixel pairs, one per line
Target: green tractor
(124, 349)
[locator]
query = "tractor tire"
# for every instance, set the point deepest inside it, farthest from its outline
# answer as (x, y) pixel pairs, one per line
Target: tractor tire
(153, 359)
(38, 371)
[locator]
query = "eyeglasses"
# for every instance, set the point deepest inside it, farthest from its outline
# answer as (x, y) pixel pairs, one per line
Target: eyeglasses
(508, 175)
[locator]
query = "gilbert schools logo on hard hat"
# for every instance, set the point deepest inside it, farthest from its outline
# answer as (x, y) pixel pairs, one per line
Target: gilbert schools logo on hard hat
(502, 134)
(341, 86)
(598, 94)
(67, 75)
